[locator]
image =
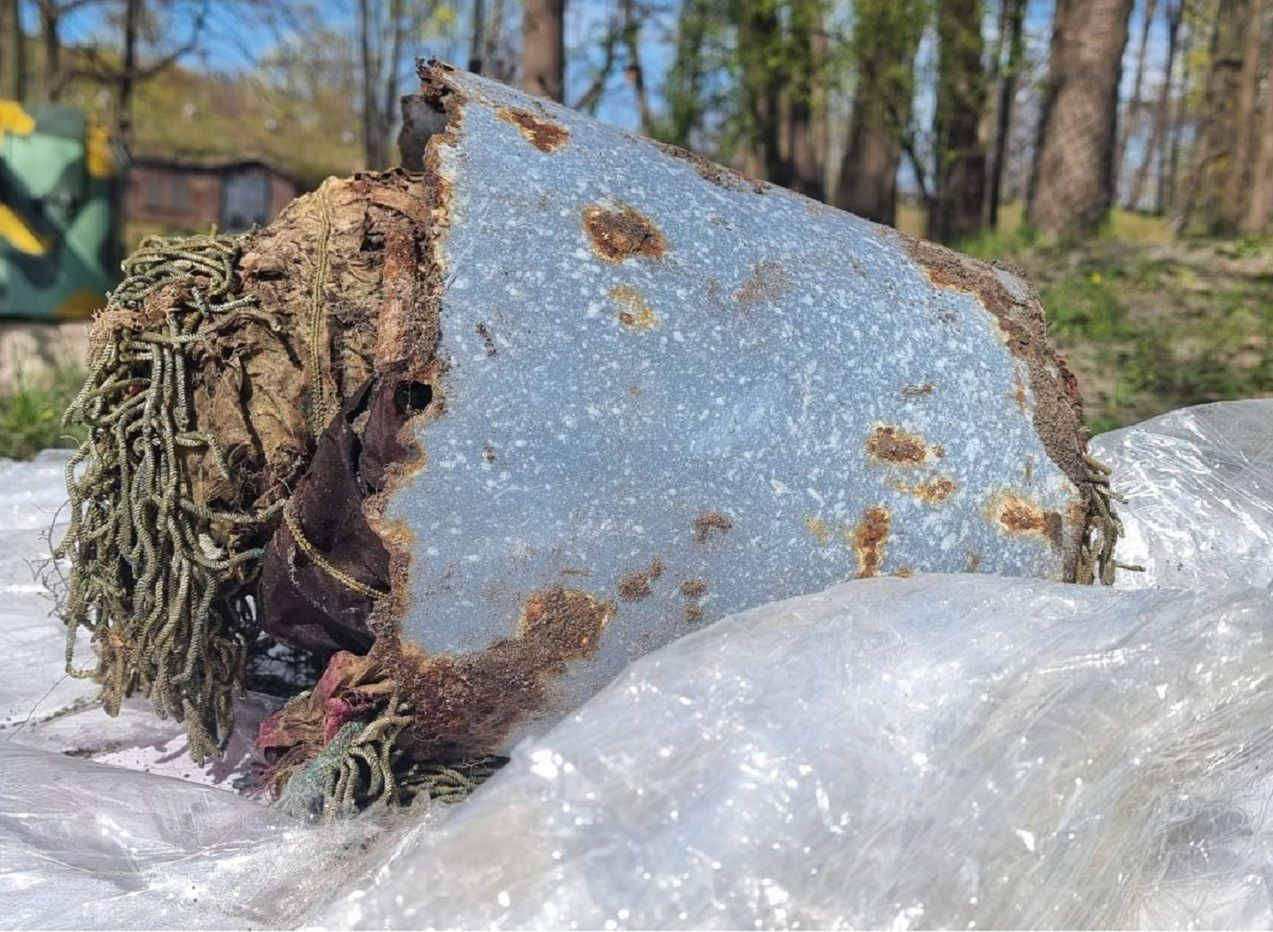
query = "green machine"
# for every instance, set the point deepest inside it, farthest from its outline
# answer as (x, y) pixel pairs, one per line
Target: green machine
(60, 184)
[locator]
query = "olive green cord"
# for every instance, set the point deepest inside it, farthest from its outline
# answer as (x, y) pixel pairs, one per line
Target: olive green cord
(364, 765)
(1096, 554)
(159, 596)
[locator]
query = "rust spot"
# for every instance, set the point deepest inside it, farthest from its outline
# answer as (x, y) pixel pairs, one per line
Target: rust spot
(620, 232)
(636, 586)
(710, 521)
(488, 342)
(933, 491)
(1019, 395)
(693, 613)
(764, 284)
(488, 452)
(1018, 515)
(694, 588)
(544, 135)
(973, 563)
(906, 572)
(1027, 474)
(893, 445)
(918, 391)
(868, 540)
(818, 528)
(636, 314)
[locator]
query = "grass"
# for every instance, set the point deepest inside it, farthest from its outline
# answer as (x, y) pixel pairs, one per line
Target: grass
(31, 416)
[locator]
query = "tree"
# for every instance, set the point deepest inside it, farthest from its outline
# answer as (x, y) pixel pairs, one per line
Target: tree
(13, 65)
(543, 48)
(1214, 153)
(1072, 180)
(959, 155)
(886, 36)
(1259, 211)
(1132, 112)
(1156, 148)
(1012, 31)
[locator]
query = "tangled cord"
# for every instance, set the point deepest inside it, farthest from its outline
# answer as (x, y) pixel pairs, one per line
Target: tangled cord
(1096, 555)
(159, 596)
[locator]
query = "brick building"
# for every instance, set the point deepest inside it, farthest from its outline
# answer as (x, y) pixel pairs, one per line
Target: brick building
(181, 193)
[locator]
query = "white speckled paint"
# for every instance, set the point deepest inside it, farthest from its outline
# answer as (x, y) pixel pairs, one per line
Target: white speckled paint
(587, 445)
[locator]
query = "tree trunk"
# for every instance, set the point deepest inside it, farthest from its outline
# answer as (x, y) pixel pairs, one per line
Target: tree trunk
(1014, 16)
(1238, 175)
(803, 161)
(1131, 114)
(51, 40)
(1072, 181)
(13, 65)
(634, 72)
(885, 39)
(959, 156)
(1213, 150)
(763, 81)
(1155, 148)
(685, 77)
(1259, 210)
(477, 46)
(543, 48)
(127, 74)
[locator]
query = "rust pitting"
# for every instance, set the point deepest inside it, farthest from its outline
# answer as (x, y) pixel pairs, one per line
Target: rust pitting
(708, 522)
(467, 704)
(488, 341)
(636, 314)
(694, 588)
(918, 390)
(869, 538)
(619, 233)
(1019, 515)
(636, 586)
(933, 491)
(895, 446)
(544, 135)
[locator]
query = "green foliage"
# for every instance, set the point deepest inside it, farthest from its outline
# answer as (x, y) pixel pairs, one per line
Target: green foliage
(31, 417)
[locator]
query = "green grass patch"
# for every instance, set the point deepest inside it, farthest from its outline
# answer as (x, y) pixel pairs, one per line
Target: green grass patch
(31, 416)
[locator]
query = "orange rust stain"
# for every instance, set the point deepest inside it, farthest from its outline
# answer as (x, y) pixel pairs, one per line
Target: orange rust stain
(636, 314)
(906, 572)
(868, 541)
(818, 528)
(618, 233)
(893, 445)
(581, 613)
(710, 521)
(1018, 515)
(544, 135)
(636, 586)
(933, 491)
(693, 613)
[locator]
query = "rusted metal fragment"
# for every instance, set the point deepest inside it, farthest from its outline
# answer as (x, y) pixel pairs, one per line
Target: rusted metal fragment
(869, 538)
(802, 374)
(544, 135)
(619, 233)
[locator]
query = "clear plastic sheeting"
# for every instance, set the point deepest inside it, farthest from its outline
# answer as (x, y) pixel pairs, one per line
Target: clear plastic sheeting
(1199, 484)
(85, 845)
(944, 751)
(955, 751)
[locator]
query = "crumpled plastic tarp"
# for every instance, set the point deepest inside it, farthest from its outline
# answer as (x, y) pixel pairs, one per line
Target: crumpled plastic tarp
(937, 751)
